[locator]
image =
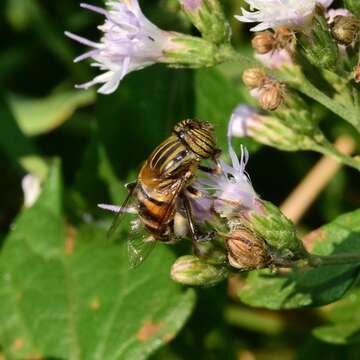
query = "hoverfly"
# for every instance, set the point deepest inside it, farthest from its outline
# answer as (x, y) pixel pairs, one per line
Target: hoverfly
(162, 185)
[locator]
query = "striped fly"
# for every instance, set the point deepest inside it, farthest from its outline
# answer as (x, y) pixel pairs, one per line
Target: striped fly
(162, 186)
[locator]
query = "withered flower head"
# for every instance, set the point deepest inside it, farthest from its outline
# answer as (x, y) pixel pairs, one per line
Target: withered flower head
(246, 250)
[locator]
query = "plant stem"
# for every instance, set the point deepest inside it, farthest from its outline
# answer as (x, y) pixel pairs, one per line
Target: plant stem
(341, 259)
(326, 148)
(314, 261)
(293, 77)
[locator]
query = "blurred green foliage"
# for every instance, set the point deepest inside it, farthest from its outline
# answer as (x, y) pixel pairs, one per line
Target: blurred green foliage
(65, 292)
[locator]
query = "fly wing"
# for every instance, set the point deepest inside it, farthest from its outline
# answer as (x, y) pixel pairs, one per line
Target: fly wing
(140, 245)
(124, 209)
(141, 242)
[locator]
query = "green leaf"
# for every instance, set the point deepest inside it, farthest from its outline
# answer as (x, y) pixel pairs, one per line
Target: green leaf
(319, 286)
(343, 321)
(216, 97)
(69, 294)
(39, 116)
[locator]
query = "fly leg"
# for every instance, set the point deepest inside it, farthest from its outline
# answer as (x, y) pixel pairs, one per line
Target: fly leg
(194, 235)
(215, 159)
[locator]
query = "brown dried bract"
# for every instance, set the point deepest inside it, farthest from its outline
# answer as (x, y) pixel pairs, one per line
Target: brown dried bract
(71, 233)
(309, 239)
(95, 304)
(35, 357)
(148, 330)
(168, 337)
(18, 343)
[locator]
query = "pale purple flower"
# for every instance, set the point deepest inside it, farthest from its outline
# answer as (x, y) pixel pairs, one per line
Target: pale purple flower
(294, 14)
(275, 59)
(240, 119)
(130, 42)
(191, 5)
(230, 190)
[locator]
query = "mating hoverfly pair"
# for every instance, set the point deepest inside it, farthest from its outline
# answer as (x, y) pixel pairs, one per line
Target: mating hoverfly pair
(163, 188)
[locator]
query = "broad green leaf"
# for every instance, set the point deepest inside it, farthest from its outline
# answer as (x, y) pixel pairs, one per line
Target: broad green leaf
(343, 321)
(41, 115)
(69, 294)
(323, 285)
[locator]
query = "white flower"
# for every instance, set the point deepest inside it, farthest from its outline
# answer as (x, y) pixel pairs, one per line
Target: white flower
(130, 42)
(231, 189)
(117, 209)
(31, 186)
(293, 14)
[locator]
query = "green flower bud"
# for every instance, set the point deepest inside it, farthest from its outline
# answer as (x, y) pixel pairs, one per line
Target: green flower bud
(246, 250)
(269, 223)
(190, 270)
(353, 6)
(318, 46)
(288, 129)
(345, 29)
(209, 18)
(189, 51)
(211, 252)
(296, 115)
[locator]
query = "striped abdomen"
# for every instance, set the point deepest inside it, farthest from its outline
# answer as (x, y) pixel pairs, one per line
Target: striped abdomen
(161, 179)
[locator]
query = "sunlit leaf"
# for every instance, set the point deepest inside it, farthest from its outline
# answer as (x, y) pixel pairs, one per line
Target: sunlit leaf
(41, 115)
(69, 294)
(314, 287)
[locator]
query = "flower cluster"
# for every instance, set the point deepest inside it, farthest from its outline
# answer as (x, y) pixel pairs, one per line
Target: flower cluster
(271, 14)
(130, 42)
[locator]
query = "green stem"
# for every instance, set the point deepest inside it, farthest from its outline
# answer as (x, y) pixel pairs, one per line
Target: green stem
(341, 259)
(314, 261)
(326, 148)
(295, 79)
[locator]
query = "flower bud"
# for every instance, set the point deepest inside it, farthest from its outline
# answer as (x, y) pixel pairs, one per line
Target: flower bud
(357, 73)
(253, 78)
(189, 51)
(269, 223)
(190, 270)
(246, 250)
(353, 6)
(318, 46)
(271, 96)
(209, 18)
(345, 29)
(263, 42)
